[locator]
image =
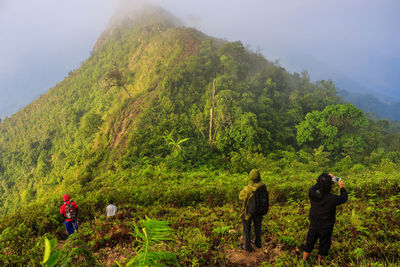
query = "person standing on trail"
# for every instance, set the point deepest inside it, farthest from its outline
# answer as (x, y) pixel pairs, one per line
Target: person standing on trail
(255, 201)
(111, 209)
(69, 211)
(323, 214)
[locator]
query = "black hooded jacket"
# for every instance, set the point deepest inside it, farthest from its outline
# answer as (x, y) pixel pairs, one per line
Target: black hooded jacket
(323, 207)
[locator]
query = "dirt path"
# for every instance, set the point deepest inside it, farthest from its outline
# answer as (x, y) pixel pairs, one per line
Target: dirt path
(119, 253)
(60, 244)
(268, 253)
(126, 122)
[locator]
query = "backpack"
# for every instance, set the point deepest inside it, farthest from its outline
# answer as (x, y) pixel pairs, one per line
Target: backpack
(258, 202)
(70, 211)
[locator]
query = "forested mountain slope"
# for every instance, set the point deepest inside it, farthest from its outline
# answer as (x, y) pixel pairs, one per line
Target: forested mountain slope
(369, 103)
(148, 85)
(132, 124)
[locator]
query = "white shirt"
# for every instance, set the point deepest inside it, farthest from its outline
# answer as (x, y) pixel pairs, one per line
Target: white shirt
(111, 210)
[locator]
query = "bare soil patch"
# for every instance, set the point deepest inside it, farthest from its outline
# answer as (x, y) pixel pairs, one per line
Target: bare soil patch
(120, 253)
(269, 252)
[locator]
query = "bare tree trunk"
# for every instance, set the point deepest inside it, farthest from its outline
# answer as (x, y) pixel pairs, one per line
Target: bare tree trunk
(127, 91)
(212, 114)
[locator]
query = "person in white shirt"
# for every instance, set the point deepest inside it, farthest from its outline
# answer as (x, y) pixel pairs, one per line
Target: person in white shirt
(111, 209)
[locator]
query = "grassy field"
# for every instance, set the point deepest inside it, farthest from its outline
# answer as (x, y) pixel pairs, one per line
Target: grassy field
(203, 210)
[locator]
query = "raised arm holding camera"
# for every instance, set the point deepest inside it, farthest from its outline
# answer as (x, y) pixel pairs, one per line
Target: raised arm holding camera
(323, 213)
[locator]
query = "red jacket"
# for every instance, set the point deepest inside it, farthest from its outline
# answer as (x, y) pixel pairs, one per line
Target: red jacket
(63, 210)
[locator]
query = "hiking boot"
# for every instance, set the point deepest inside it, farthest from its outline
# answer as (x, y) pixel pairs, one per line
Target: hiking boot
(320, 259)
(242, 247)
(254, 244)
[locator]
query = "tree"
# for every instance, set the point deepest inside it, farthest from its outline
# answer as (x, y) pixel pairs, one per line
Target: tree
(338, 127)
(114, 77)
(90, 124)
(176, 147)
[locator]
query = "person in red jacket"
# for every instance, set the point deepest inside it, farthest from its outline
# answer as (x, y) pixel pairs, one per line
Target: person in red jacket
(69, 210)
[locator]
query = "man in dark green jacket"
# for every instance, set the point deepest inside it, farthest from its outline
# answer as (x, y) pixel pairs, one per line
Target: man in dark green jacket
(244, 196)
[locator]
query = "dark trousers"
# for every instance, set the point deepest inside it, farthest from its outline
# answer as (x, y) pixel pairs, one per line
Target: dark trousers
(247, 232)
(71, 226)
(324, 236)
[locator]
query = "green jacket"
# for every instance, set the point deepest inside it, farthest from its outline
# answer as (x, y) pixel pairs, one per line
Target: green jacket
(245, 195)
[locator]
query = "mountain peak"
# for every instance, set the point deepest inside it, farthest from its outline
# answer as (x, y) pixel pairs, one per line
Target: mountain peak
(130, 15)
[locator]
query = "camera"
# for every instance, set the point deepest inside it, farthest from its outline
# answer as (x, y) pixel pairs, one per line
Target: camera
(336, 179)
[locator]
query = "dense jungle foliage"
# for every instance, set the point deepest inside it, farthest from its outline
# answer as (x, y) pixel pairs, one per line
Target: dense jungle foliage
(132, 125)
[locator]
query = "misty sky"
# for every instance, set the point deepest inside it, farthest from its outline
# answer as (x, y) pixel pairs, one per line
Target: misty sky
(355, 42)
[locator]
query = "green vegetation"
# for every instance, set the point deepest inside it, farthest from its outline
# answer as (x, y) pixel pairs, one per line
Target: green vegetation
(50, 257)
(132, 124)
(153, 234)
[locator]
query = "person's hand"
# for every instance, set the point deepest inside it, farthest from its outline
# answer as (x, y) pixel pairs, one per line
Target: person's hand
(341, 184)
(331, 175)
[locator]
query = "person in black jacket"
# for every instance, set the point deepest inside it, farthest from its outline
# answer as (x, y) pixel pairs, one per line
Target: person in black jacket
(323, 214)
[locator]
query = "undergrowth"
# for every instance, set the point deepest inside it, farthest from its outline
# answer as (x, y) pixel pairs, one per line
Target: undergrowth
(202, 211)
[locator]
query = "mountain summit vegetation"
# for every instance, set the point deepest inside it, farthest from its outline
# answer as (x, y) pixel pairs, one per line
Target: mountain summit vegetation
(133, 124)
